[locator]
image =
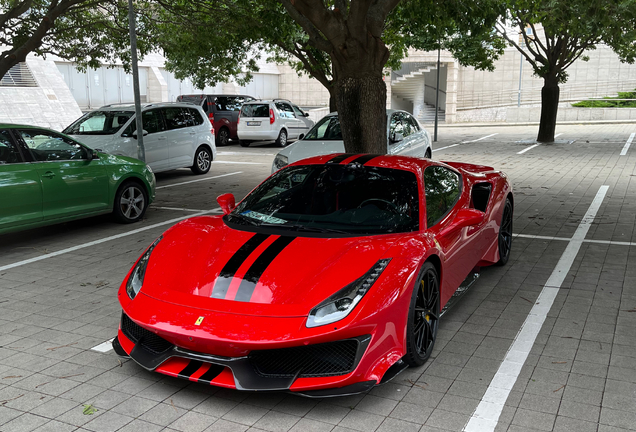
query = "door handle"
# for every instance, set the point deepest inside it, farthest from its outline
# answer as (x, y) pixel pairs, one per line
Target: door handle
(161, 138)
(48, 174)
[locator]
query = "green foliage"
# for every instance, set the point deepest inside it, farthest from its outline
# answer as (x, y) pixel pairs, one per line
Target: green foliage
(84, 31)
(596, 103)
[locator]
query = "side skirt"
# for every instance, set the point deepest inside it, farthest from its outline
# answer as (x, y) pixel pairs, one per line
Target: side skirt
(463, 287)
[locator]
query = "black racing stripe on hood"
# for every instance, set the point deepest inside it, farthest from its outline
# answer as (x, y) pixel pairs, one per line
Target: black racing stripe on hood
(246, 289)
(222, 283)
(340, 158)
(191, 368)
(363, 159)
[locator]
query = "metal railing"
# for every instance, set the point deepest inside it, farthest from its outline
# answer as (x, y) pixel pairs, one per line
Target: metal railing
(574, 92)
(19, 76)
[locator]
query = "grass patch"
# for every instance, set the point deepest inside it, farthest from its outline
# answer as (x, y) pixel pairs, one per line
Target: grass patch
(600, 103)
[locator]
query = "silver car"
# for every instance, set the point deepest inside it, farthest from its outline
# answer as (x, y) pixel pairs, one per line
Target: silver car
(176, 135)
(405, 136)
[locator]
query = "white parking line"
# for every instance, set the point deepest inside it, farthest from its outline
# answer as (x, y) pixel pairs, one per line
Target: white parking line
(104, 347)
(608, 242)
(528, 148)
(239, 163)
(224, 153)
(444, 148)
(627, 144)
(486, 416)
(199, 180)
(96, 242)
(177, 209)
(479, 139)
(558, 135)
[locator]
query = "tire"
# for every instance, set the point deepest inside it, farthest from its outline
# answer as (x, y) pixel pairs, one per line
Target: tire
(281, 141)
(428, 154)
(223, 137)
(202, 161)
(423, 317)
(131, 202)
(244, 143)
(505, 234)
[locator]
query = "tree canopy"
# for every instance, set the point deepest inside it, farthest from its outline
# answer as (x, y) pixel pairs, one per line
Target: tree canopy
(556, 33)
(87, 32)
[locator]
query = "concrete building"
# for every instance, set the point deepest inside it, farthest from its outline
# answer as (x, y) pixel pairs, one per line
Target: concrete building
(58, 93)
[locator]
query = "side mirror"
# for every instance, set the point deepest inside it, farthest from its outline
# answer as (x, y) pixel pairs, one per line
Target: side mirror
(144, 132)
(301, 136)
(305, 114)
(227, 202)
(464, 218)
(397, 137)
(95, 155)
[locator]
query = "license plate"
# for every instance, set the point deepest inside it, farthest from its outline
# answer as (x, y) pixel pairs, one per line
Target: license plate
(254, 123)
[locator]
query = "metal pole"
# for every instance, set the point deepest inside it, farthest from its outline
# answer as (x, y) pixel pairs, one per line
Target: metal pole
(437, 95)
(520, 74)
(141, 151)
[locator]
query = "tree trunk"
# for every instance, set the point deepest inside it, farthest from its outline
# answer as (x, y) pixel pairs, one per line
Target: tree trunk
(549, 106)
(333, 99)
(362, 113)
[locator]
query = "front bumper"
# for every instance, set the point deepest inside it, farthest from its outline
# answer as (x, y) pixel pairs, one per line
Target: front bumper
(253, 372)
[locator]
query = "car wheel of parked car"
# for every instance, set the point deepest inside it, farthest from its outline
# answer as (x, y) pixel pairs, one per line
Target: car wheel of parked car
(223, 137)
(505, 234)
(282, 138)
(423, 317)
(428, 154)
(202, 161)
(131, 202)
(244, 143)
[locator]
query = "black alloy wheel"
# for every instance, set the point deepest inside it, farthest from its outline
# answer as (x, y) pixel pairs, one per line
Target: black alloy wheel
(223, 137)
(505, 234)
(423, 318)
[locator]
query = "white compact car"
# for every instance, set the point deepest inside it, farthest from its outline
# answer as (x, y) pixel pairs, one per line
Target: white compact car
(277, 120)
(405, 136)
(176, 135)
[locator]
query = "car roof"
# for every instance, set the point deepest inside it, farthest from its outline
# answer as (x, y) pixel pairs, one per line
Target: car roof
(130, 106)
(215, 95)
(22, 126)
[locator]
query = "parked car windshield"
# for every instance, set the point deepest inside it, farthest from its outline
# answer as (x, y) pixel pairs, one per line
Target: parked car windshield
(334, 199)
(255, 110)
(99, 123)
(328, 128)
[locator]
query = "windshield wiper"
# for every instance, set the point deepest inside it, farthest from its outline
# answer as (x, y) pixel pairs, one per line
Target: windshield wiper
(244, 218)
(306, 228)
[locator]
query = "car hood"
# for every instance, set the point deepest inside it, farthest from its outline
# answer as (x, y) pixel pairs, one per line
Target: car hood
(203, 263)
(303, 149)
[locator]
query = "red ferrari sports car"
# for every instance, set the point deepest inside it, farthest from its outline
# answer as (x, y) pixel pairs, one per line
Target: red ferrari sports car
(327, 279)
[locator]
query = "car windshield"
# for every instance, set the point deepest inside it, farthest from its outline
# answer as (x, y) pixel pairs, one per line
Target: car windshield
(328, 128)
(333, 199)
(99, 123)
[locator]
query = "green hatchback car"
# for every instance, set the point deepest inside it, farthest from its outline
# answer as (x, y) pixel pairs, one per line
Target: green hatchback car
(47, 177)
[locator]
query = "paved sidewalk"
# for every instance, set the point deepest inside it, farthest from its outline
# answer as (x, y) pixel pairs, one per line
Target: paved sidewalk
(580, 374)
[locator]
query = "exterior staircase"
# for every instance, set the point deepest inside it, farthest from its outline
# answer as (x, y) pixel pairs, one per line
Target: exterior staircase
(408, 84)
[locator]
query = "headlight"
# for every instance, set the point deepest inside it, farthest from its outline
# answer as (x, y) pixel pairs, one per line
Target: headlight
(281, 161)
(344, 301)
(136, 279)
(148, 168)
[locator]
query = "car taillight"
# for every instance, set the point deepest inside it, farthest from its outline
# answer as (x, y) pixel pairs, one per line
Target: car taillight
(271, 116)
(238, 119)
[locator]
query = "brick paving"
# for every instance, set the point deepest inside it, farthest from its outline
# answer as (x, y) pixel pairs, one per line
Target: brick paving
(579, 376)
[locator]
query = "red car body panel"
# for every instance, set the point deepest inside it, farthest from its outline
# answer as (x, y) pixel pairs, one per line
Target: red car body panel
(187, 278)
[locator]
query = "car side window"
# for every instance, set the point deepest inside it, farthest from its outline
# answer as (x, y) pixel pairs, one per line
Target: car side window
(222, 104)
(176, 118)
(285, 110)
(8, 151)
(193, 117)
(397, 127)
(442, 189)
(49, 146)
(152, 121)
(298, 111)
(415, 127)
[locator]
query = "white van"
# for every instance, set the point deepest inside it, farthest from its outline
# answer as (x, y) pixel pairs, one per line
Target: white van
(176, 135)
